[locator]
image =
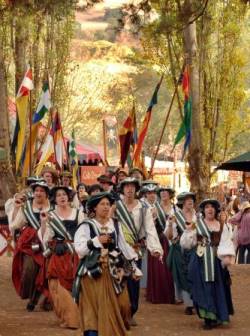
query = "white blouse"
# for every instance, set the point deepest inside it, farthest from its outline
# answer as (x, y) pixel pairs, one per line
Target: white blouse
(82, 236)
(20, 220)
(49, 232)
(225, 248)
(148, 230)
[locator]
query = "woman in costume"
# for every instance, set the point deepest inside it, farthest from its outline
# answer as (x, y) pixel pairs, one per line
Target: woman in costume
(28, 268)
(80, 198)
(212, 251)
(100, 286)
(160, 287)
(57, 234)
(178, 257)
(241, 222)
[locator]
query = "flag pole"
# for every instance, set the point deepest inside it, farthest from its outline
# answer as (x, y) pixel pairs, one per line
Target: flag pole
(65, 148)
(163, 130)
(104, 143)
(30, 142)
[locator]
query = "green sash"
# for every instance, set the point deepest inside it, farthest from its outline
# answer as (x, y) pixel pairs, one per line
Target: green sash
(29, 214)
(180, 219)
(208, 256)
(94, 257)
(128, 224)
(161, 215)
(57, 225)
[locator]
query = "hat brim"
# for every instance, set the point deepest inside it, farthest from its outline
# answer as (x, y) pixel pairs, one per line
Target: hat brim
(50, 170)
(135, 183)
(35, 185)
(94, 200)
(170, 190)
(182, 198)
(66, 189)
(213, 202)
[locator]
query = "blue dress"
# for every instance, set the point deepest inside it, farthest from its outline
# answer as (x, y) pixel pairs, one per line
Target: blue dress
(212, 299)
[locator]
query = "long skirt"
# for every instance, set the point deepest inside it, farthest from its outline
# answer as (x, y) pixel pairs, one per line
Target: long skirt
(212, 300)
(28, 267)
(61, 271)
(64, 305)
(101, 310)
(160, 286)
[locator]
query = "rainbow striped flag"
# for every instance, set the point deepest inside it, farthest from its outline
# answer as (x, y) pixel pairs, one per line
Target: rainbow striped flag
(145, 124)
(186, 125)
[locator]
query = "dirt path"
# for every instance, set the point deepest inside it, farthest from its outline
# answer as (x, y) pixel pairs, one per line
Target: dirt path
(160, 320)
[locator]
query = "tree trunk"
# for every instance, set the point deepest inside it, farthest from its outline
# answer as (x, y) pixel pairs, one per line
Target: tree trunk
(21, 39)
(7, 180)
(198, 172)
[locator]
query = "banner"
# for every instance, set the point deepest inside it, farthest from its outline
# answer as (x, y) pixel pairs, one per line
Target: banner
(111, 141)
(89, 174)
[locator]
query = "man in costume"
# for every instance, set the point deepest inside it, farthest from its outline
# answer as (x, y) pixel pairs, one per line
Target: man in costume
(139, 231)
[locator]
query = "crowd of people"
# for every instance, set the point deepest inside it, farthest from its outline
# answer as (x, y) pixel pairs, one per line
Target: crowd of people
(83, 252)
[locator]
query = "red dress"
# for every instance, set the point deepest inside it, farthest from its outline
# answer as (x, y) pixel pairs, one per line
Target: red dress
(160, 285)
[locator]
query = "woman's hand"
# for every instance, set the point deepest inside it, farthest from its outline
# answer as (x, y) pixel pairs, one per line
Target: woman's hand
(20, 198)
(44, 218)
(104, 239)
(227, 260)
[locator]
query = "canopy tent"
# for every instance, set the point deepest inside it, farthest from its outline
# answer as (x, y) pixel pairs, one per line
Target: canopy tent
(87, 154)
(240, 163)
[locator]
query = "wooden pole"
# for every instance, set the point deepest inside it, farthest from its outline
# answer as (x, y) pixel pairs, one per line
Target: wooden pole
(104, 143)
(163, 130)
(30, 140)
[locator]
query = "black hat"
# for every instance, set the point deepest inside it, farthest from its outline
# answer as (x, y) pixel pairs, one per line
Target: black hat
(104, 179)
(33, 179)
(40, 183)
(130, 180)
(213, 202)
(184, 195)
(96, 199)
(61, 187)
(170, 190)
(149, 187)
(94, 187)
(147, 182)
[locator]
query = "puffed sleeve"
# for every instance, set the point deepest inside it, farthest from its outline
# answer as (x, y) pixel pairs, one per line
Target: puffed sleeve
(226, 245)
(128, 252)
(153, 243)
(83, 241)
(81, 217)
(76, 204)
(188, 239)
(9, 208)
(18, 222)
(174, 227)
(47, 236)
